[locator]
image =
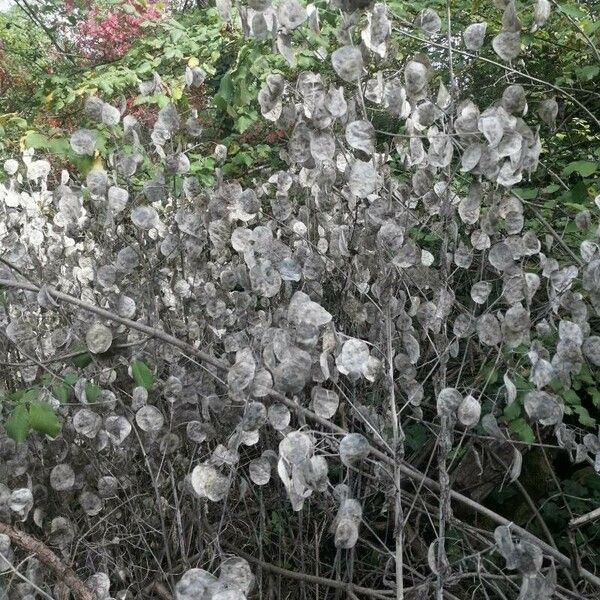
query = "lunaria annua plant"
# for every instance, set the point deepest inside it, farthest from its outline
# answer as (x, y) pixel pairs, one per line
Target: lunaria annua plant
(249, 343)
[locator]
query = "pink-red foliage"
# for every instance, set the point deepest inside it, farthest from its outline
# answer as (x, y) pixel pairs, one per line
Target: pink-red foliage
(106, 34)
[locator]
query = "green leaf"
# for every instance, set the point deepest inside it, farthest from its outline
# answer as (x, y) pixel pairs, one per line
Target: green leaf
(141, 374)
(512, 411)
(595, 397)
(586, 376)
(71, 379)
(550, 189)
(571, 397)
(584, 167)
(17, 425)
(584, 416)
(526, 193)
(244, 122)
(36, 140)
(60, 146)
(226, 91)
(43, 419)
(572, 10)
(579, 194)
(143, 68)
(588, 72)
(416, 436)
(176, 35)
(92, 391)
(591, 27)
(82, 360)
(61, 392)
(522, 430)
(30, 395)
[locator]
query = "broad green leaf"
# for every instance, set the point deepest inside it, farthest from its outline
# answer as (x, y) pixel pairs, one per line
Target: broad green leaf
(36, 140)
(416, 436)
(24, 395)
(59, 146)
(143, 68)
(579, 194)
(584, 167)
(141, 374)
(82, 360)
(586, 376)
(512, 411)
(550, 189)
(92, 391)
(571, 397)
(17, 424)
(71, 378)
(595, 397)
(245, 121)
(526, 193)
(522, 430)
(591, 27)
(572, 10)
(61, 392)
(43, 419)
(588, 72)
(584, 416)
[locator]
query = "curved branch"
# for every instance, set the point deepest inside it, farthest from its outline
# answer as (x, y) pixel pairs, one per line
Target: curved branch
(64, 574)
(111, 316)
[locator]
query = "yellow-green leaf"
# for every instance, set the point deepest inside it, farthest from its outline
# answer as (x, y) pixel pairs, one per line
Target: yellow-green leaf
(17, 425)
(141, 374)
(43, 419)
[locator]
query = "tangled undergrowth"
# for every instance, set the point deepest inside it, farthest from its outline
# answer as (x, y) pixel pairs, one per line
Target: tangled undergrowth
(219, 392)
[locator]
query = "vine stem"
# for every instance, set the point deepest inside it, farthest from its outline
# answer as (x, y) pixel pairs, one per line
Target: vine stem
(112, 316)
(404, 468)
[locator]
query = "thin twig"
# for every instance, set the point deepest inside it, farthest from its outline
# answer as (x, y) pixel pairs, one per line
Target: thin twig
(398, 441)
(315, 579)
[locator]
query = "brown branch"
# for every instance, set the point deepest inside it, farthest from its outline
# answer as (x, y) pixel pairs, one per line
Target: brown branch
(64, 574)
(111, 316)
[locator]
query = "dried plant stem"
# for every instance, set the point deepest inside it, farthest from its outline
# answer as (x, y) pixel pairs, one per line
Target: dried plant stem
(64, 573)
(398, 448)
(404, 468)
(444, 447)
(307, 578)
(584, 519)
(111, 316)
